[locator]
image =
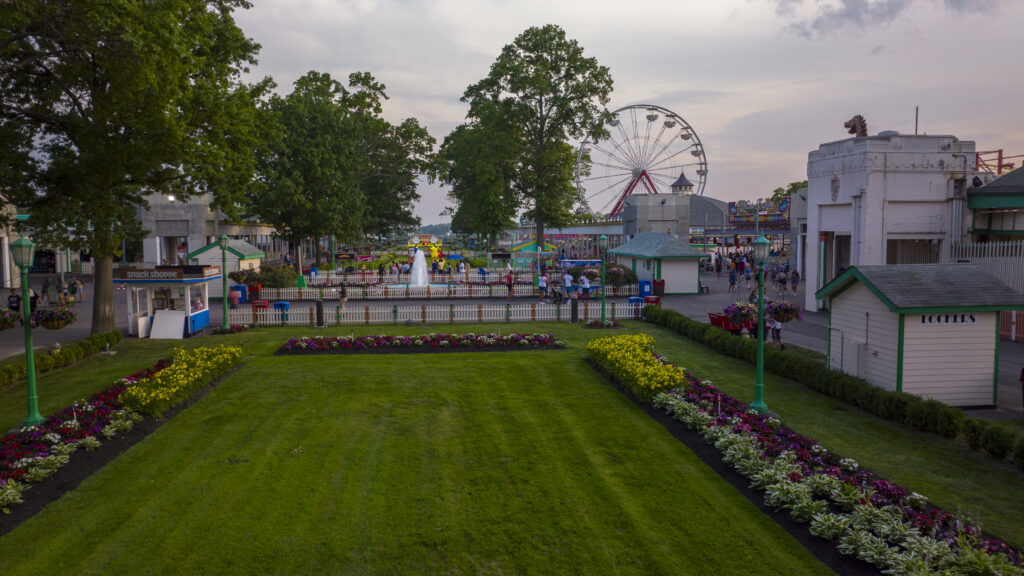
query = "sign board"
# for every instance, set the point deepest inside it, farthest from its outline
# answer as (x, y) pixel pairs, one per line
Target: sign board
(943, 319)
(775, 219)
(364, 258)
(169, 273)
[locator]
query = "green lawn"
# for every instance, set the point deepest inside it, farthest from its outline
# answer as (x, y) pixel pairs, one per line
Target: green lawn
(482, 463)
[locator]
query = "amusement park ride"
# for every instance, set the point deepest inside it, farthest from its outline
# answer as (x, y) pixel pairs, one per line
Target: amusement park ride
(648, 150)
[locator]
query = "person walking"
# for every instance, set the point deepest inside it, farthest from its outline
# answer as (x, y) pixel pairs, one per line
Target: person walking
(46, 291)
(718, 266)
(542, 285)
(510, 284)
(777, 335)
(14, 301)
(567, 280)
(794, 281)
(585, 286)
(732, 279)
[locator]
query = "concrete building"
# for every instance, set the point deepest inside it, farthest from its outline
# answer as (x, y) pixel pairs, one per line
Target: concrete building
(177, 228)
(886, 199)
(657, 213)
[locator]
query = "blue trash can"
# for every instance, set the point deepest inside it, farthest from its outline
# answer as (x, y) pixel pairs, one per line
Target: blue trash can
(635, 304)
(240, 288)
(313, 272)
(645, 288)
(284, 307)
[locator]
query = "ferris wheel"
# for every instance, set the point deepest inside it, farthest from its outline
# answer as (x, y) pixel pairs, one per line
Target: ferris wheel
(649, 150)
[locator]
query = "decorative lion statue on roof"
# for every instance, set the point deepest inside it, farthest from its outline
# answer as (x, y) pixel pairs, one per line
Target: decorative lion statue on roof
(857, 126)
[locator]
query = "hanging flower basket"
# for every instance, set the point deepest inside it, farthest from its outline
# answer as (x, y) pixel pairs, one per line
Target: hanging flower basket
(784, 311)
(740, 313)
(8, 318)
(54, 318)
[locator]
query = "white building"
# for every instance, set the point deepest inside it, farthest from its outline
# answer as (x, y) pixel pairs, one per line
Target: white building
(886, 199)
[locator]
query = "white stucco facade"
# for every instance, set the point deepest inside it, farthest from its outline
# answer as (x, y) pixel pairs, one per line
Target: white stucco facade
(887, 199)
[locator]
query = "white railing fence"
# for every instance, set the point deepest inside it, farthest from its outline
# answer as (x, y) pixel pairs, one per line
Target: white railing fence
(434, 292)
(1004, 260)
(305, 314)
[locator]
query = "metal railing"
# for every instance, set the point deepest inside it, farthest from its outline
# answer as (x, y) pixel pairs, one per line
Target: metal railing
(305, 315)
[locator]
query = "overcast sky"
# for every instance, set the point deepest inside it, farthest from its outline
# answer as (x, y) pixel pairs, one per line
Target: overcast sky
(763, 82)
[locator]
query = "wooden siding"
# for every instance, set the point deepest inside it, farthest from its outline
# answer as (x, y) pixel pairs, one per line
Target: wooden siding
(680, 275)
(952, 363)
(850, 311)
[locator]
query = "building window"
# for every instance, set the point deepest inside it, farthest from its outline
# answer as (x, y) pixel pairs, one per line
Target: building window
(912, 251)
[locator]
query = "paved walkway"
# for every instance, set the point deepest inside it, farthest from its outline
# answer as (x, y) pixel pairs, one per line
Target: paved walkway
(810, 333)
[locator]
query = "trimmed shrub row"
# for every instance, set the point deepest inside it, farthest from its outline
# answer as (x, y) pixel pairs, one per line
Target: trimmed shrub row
(925, 415)
(66, 356)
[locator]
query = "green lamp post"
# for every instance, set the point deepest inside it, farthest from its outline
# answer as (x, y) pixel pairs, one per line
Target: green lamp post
(223, 242)
(761, 249)
(22, 251)
(602, 241)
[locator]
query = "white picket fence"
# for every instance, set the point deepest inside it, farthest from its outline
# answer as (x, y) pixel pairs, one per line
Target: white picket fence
(1004, 260)
(305, 315)
(436, 292)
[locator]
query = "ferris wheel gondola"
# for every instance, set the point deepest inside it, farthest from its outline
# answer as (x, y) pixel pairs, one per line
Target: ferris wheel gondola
(647, 149)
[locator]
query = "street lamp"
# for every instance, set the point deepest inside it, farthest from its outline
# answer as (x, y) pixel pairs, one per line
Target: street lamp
(223, 241)
(22, 251)
(602, 241)
(761, 249)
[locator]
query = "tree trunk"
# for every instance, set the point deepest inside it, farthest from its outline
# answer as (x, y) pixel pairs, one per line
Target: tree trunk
(298, 257)
(318, 239)
(540, 233)
(103, 294)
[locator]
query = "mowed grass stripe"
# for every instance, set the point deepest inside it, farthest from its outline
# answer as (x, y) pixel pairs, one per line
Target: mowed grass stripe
(521, 462)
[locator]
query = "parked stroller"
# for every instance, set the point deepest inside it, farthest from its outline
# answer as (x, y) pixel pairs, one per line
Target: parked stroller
(557, 296)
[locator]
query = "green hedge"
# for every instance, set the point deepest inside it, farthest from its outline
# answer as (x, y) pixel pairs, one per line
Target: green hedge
(66, 356)
(925, 415)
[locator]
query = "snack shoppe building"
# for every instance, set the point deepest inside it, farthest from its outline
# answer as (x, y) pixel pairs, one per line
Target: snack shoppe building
(925, 329)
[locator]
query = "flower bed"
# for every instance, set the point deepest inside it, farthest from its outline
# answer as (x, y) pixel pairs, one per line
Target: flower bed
(191, 371)
(36, 452)
(605, 324)
(631, 361)
(868, 517)
(422, 343)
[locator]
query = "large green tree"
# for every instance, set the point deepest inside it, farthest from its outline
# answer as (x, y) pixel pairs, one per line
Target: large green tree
(477, 162)
(334, 166)
(309, 174)
(397, 156)
(102, 103)
(551, 93)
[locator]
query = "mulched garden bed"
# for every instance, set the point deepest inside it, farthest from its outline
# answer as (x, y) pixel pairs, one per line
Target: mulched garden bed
(822, 549)
(84, 463)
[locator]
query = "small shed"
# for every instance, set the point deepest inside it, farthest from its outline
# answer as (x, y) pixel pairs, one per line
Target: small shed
(658, 257)
(240, 256)
(925, 329)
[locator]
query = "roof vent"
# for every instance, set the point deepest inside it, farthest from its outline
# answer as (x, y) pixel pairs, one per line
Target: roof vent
(888, 133)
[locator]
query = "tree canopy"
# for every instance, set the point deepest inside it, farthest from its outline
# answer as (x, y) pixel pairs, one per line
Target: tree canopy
(790, 189)
(548, 92)
(333, 166)
(102, 103)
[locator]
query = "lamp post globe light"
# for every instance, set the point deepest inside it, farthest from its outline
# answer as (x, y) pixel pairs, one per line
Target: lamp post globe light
(602, 241)
(22, 251)
(761, 249)
(223, 242)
